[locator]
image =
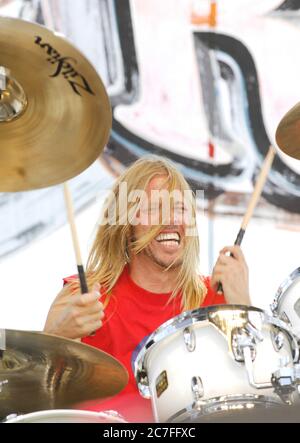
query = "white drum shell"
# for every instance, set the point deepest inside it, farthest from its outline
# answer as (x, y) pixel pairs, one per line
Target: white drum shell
(214, 363)
(287, 301)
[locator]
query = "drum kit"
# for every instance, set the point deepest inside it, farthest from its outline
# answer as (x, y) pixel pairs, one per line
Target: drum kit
(230, 363)
(221, 363)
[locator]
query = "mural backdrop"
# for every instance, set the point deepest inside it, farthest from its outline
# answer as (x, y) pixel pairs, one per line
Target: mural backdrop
(202, 83)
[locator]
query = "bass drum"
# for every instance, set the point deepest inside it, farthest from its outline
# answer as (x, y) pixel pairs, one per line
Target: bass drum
(67, 416)
(286, 304)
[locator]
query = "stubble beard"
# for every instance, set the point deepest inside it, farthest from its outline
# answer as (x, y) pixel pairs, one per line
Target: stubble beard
(162, 264)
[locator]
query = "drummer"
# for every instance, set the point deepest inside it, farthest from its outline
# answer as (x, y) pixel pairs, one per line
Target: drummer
(143, 269)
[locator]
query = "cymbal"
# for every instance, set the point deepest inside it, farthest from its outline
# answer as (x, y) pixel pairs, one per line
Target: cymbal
(55, 115)
(288, 133)
(40, 371)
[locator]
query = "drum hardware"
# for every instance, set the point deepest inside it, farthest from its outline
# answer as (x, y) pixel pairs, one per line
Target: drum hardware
(242, 339)
(189, 339)
(284, 378)
(197, 388)
(248, 354)
(262, 356)
(277, 338)
(13, 101)
(143, 383)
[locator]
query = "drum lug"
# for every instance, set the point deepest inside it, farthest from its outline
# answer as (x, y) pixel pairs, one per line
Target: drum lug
(197, 388)
(241, 339)
(243, 345)
(277, 338)
(143, 383)
(189, 339)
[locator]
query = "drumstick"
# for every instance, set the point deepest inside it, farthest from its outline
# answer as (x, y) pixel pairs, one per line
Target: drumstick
(261, 179)
(71, 219)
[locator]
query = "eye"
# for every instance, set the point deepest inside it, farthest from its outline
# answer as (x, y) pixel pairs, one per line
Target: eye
(180, 209)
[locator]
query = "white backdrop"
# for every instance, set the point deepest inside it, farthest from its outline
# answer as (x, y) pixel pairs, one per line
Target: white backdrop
(32, 275)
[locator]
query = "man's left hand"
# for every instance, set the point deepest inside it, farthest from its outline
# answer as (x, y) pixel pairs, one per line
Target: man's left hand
(232, 272)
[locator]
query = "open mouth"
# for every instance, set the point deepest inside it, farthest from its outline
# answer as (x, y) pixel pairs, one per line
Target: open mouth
(168, 238)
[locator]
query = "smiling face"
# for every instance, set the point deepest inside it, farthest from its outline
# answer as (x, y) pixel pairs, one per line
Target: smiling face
(166, 248)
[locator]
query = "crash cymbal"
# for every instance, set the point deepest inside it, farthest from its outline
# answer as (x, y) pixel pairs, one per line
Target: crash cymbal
(55, 115)
(288, 133)
(41, 371)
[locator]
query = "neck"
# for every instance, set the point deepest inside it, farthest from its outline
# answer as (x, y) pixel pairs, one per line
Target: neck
(152, 277)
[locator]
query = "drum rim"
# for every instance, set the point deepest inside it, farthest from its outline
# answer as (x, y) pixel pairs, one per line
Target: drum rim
(12, 418)
(214, 402)
(283, 287)
(189, 318)
(186, 319)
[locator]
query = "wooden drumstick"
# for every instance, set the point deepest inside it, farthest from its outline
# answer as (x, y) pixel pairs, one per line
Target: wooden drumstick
(261, 179)
(71, 219)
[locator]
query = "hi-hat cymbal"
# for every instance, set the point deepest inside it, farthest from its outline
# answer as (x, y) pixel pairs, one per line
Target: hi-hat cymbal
(55, 115)
(41, 371)
(288, 132)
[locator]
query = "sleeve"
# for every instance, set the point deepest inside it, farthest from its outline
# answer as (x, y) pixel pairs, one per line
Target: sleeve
(67, 280)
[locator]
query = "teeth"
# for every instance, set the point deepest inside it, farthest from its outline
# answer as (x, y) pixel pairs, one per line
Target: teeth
(169, 243)
(174, 236)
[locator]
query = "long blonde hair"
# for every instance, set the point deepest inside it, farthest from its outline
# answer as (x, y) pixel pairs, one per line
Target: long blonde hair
(109, 253)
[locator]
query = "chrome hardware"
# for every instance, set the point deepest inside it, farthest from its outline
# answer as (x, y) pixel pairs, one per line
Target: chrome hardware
(13, 101)
(283, 379)
(241, 339)
(277, 338)
(189, 339)
(247, 351)
(254, 332)
(197, 388)
(143, 383)
(283, 316)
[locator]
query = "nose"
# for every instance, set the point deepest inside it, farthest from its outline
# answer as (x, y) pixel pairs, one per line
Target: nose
(177, 217)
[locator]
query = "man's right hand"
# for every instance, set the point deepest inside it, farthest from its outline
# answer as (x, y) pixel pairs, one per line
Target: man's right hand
(75, 315)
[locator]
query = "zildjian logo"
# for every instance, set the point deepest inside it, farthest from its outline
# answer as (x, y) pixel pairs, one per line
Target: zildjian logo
(64, 68)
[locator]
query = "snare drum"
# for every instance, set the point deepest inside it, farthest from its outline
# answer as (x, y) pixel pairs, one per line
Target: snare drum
(286, 304)
(215, 359)
(67, 416)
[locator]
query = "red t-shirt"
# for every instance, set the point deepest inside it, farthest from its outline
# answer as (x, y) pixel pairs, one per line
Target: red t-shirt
(132, 314)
